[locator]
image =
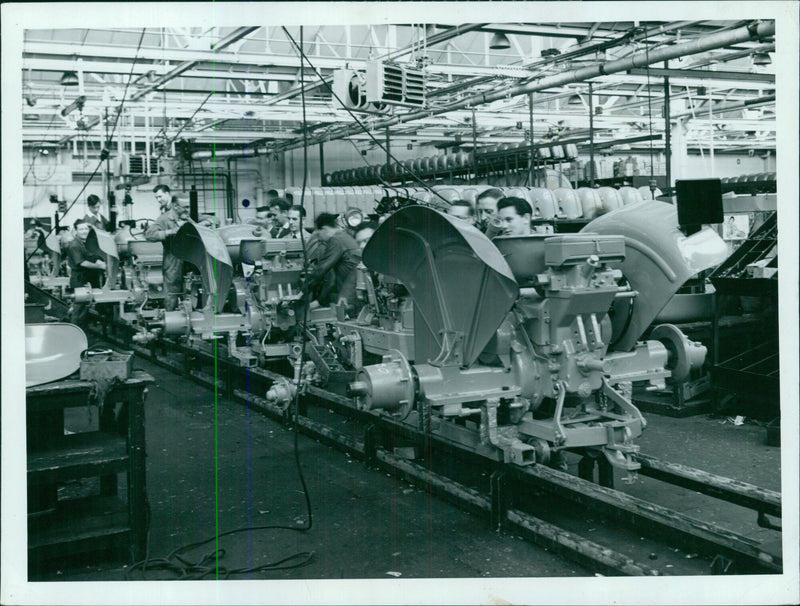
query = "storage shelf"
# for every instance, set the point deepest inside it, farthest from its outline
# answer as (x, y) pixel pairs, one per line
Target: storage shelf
(78, 456)
(77, 526)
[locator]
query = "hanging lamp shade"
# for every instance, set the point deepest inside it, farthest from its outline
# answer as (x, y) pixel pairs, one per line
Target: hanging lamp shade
(499, 41)
(575, 100)
(761, 59)
(69, 79)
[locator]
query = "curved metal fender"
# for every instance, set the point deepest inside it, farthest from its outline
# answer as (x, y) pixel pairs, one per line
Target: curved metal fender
(203, 248)
(52, 351)
(659, 259)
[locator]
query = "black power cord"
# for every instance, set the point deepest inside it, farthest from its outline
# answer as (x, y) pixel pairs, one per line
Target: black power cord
(304, 57)
(208, 564)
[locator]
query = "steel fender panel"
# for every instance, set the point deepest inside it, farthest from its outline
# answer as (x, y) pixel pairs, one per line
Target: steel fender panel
(52, 351)
(659, 259)
(203, 248)
(457, 278)
(104, 242)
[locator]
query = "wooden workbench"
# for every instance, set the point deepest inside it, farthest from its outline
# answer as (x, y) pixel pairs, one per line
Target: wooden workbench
(59, 524)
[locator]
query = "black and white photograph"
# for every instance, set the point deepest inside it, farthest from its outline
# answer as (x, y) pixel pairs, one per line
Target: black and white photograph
(400, 303)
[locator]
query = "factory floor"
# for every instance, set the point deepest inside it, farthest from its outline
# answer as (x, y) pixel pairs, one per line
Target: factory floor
(214, 466)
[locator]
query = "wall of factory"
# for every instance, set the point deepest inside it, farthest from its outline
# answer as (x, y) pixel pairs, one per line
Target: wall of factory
(252, 177)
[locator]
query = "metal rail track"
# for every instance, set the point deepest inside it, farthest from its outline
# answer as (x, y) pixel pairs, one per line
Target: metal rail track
(680, 529)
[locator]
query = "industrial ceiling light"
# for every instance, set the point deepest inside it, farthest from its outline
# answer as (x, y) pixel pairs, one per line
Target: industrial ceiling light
(575, 100)
(761, 59)
(499, 41)
(69, 79)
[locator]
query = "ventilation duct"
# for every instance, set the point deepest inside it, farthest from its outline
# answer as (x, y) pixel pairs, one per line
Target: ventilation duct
(395, 84)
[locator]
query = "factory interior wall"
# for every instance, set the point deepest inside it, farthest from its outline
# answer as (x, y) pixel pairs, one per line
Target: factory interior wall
(252, 177)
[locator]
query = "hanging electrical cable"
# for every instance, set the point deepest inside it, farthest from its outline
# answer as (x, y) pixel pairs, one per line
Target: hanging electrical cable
(172, 139)
(303, 57)
(104, 153)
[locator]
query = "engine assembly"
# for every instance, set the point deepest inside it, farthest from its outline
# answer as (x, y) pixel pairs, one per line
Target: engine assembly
(529, 344)
(255, 309)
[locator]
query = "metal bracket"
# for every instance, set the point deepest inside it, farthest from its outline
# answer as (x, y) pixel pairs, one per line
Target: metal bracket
(499, 497)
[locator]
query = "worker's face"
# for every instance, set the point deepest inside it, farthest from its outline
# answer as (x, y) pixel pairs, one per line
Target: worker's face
(460, 212)
(279, 218)
(294, 220)
(94, 208)
(163, 198)
(486, 209)
(514, 224)
(264, 218)
(82, 231)
(363, 237)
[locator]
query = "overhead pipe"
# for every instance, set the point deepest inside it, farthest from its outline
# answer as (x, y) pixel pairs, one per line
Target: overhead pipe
(756, 30)
(579, 51)
(732, 107)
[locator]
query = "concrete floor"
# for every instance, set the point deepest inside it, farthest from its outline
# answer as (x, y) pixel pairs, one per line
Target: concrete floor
(214, 465)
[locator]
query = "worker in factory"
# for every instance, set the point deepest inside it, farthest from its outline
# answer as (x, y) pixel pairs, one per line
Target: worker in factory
(364, 232)
(271, 194)
(461, 209)
(263, 218)
(279, 208)
(93, 217)
(163, 196)
(486, 207)
(35, 231)
(163, 230)
(295, 217)
(514, 217)
(86, 267)
(340, 258)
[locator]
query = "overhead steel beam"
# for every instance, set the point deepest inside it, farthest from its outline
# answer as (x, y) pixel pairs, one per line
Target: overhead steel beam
(703, 74)
(234, 36)
(449, 34)
(753, 31)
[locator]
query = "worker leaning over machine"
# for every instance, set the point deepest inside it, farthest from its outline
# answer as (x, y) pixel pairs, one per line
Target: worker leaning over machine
(85, 267)
(340, 258)
(514, 217)
(486, 207)
(163, 230)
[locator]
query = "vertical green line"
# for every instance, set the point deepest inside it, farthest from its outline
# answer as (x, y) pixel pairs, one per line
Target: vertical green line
(216, 389)
(216, 353)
